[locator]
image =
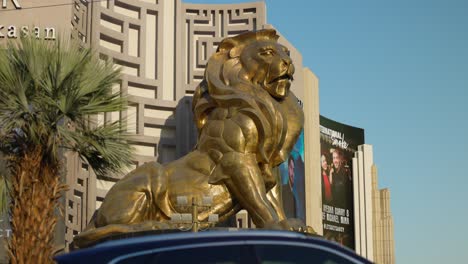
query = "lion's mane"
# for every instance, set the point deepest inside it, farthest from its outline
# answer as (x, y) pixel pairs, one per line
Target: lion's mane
(223, 87)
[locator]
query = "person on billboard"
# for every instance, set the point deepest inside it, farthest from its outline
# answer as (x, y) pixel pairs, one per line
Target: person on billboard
(299, 189)
(326, 183)
(289, 201)
(340, 179)
(293, 189)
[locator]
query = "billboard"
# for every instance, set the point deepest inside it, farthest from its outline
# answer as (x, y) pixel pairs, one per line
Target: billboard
(293, 181)
(338, 142)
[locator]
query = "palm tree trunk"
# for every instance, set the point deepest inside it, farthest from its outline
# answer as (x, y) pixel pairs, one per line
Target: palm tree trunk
(36, 188)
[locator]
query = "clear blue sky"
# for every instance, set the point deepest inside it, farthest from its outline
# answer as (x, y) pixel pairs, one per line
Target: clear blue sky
(398, 69)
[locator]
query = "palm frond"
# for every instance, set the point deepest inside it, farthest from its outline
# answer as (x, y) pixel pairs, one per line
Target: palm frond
(44, 87)
(105, 148)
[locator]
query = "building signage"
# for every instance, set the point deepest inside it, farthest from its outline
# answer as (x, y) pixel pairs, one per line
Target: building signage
(338, 142)
(13, 31)
(15, 3)
(5, 230)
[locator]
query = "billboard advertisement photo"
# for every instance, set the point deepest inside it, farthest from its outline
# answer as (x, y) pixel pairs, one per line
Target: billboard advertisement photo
(338, 142)
(293, 181)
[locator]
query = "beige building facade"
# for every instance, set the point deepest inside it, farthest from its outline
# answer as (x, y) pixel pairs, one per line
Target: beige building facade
(19, 17)
(383, 240)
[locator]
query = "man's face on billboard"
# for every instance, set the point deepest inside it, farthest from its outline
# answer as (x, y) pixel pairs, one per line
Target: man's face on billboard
(336, 159)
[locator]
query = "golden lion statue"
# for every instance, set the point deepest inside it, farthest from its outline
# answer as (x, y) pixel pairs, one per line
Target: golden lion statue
(248, 121)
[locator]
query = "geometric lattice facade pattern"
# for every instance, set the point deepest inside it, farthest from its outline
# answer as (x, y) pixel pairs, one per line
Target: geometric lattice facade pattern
(79, 200)
(204, 28)
(81, 25)
(162, 48)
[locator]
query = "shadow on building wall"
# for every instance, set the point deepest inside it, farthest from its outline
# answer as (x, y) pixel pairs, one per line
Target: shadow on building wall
(185, 133)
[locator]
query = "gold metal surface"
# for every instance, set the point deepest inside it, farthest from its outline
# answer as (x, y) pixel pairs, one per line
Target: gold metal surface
(248, 121)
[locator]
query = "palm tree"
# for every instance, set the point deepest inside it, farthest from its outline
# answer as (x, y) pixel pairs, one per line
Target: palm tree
(49, 94)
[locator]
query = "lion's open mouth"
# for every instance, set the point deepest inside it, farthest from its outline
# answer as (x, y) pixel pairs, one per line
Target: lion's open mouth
(285, 76)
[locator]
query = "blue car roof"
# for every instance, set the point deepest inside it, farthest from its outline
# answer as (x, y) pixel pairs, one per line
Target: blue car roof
(106, 251)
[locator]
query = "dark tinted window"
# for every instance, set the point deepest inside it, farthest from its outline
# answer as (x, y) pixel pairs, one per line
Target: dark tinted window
(205, 255)
(276, 254)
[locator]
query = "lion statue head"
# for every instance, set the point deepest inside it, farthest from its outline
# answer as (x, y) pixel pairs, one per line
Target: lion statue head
(249, 71)
(257, 58)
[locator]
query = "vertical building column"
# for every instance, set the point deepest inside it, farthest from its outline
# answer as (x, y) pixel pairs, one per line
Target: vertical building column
(313, 183)
(357, 205)
(368, 163)
(377, 218)
(363, 208)
(388, 244)
(168, 46)
(362, 203)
